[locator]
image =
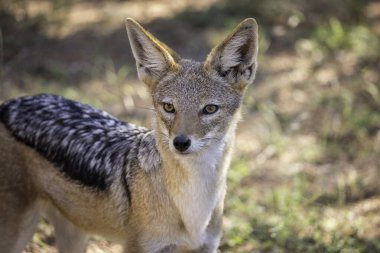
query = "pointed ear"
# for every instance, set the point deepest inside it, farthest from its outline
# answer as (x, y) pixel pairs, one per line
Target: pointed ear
(235, 58)
(153, 58)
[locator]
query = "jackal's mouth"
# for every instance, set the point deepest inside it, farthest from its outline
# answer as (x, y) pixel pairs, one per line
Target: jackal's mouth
(185, 153)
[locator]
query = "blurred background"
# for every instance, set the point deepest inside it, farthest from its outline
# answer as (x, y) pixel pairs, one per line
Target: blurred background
(306, 171)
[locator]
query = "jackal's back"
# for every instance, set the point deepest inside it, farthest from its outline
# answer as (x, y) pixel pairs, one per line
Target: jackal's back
(84, 143)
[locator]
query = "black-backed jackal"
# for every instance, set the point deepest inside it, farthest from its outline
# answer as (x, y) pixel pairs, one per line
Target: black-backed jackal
(154, 191)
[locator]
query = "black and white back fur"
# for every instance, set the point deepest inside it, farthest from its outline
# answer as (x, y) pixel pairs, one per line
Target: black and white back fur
(86, 144)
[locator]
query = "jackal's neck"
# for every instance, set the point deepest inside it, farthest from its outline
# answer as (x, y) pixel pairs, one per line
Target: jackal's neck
(196, 183)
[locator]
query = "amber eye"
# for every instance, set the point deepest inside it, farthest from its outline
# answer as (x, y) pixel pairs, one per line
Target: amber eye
(169, 108)
(210, 109)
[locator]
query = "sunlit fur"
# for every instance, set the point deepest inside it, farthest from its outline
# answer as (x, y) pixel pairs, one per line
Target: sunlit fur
(90, 173)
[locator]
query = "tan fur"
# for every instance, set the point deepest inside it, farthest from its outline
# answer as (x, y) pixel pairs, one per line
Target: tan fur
(177, 208)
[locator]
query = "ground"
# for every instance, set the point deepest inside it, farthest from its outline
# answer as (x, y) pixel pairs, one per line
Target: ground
(306, 167)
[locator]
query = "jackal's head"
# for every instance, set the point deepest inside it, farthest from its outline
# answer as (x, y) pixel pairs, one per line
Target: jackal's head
(197, 104)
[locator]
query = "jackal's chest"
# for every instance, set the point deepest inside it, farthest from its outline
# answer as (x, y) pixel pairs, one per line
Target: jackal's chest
(196, 200)
(196, 203)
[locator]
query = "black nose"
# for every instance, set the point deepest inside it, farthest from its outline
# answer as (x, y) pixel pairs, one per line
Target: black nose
(182, 142)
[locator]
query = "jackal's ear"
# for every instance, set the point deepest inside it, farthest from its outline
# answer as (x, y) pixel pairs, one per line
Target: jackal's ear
(234, 59)
(153, 58)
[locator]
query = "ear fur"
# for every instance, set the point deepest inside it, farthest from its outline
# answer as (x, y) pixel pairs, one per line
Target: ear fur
(153, 58)
(234, 59)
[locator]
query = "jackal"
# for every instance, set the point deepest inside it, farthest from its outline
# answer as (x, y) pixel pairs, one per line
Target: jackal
(154, 191)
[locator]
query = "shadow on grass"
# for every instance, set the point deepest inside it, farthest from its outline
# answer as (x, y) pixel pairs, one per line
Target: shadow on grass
(27, 50)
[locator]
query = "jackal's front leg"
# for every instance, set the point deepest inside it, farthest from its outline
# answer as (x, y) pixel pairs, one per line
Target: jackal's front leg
(214, 231)
(204, 249)
(70, 239)
(209, 247)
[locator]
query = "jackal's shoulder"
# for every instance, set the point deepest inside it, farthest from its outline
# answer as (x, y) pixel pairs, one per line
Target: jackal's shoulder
(85, 143)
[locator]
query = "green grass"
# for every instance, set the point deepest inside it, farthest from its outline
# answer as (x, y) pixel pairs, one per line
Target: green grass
(289, 218)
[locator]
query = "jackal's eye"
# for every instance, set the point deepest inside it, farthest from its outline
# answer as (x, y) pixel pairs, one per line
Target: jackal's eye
(169, 108)
(210, 109)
